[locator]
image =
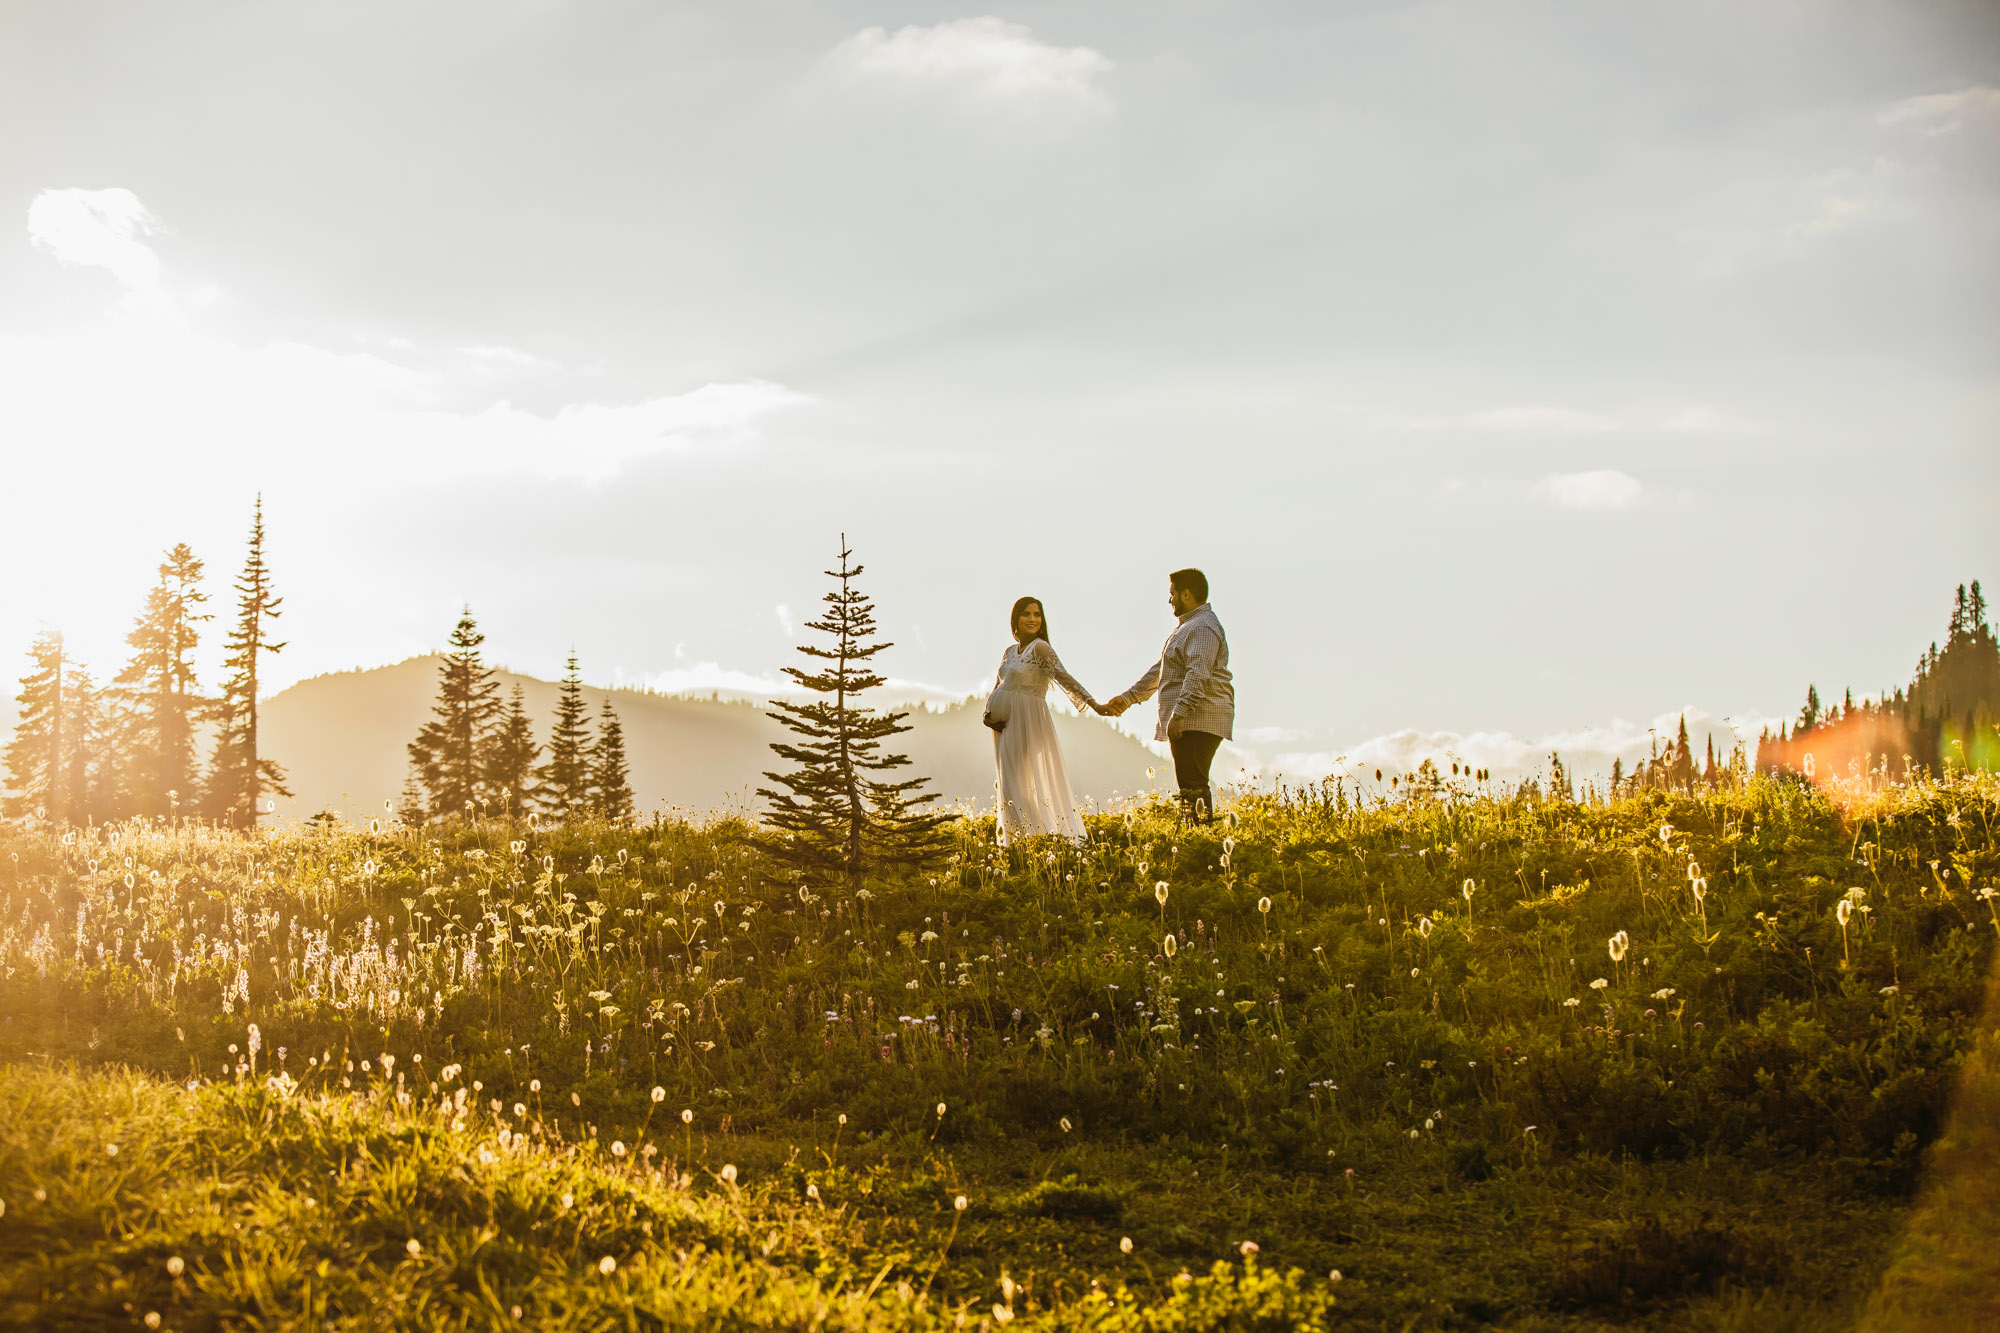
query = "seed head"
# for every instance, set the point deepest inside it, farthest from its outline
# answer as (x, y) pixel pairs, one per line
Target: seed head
(1160, 892)
(413, 1247)
(687, 1117)
(659, 1094)
(607, 1265)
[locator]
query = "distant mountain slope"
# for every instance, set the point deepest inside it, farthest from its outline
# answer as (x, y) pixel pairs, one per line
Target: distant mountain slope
(341, 739)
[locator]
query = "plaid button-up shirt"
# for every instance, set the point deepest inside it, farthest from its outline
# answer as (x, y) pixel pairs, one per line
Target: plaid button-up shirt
(1192, 679)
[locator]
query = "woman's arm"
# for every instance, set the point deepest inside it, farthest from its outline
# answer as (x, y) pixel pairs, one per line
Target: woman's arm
(1045, 657)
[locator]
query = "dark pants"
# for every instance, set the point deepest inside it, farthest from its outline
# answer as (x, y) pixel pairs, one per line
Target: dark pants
(1193, 752)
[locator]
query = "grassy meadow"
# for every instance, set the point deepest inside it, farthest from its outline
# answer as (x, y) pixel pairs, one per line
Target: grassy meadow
(1446, 1056)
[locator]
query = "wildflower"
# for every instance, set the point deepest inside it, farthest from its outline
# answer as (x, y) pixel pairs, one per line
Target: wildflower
(1264, 906)
(1065, 1124)
(1334, 1276)
(659, 1095)
(959, 1203)
(1666, 834)
(1619, 944)
(519, 1110)
(568, 1201)
(534, 1085)
(1001, 1314)
(617, 1148)
(607, 1265)
(1572, 1002)
(1599, 984)
(1664, 993)
(728, 1173)
(1125, 1244)
(940, 1110)
(812, 1191)
(176, 1266)
(1889, 990)
(1415, 970)
(1160, 892)
(1424, 926)
(1247, 1248)
(110, 1150)
(412, 1246)
(1168, 946)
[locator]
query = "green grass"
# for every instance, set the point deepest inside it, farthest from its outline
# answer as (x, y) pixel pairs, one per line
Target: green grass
(1349, 1061)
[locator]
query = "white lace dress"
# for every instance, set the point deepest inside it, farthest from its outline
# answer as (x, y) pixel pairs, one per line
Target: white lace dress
(1032, 790)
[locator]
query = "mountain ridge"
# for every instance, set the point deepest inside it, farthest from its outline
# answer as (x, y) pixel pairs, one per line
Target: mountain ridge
(340, 737)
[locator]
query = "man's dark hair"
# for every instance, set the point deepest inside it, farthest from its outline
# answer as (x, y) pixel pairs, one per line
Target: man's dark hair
(1190, 581)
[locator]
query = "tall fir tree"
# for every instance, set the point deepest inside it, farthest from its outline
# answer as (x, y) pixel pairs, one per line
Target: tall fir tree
(562, 785)
(158, 700)
(610, 778)
(238, 773)
(834, 820)
(510, 760)
(37, 757)
(89, 790)
(449, 753)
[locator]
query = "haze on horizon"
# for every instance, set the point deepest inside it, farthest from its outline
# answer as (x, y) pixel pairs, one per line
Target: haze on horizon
(1510, 371)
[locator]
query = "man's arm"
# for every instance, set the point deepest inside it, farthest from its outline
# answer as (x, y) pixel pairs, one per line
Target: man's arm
(1142, 689)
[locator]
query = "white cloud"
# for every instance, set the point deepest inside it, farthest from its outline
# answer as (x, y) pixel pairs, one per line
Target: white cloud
(987, 58)
(1702, 420)
(1602, 489)
(155, 393)
(1530, 418)
(1941, 113)
(99, 229)
(1589, 751)
(784, 614)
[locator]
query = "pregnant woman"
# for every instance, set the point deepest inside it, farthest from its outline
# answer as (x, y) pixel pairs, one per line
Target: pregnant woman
(1034, 795)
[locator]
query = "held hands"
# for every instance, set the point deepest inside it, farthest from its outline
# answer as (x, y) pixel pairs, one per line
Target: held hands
(1112, 708)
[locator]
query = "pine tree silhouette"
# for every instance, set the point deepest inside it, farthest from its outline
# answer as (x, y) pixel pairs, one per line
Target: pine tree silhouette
(38, 771)
(157, 696)
(834, 821)
(510, 760)
(449, 753)
(610, 780)
(563, 783)
(238, 775)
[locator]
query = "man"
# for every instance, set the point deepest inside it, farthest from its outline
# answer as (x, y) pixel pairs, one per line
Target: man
(1197, 698)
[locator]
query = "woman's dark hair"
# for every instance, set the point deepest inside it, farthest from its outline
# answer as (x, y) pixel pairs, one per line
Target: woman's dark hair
(1014, 618)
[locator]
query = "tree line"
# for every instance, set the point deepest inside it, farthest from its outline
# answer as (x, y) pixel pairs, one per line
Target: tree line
(84, 753)
(477, 756)
(1948, 716)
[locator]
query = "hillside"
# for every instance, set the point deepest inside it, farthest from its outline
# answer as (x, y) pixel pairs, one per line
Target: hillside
(341, 739)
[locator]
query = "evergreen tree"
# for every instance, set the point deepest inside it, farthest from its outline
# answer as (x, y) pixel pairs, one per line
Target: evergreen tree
(38, 769)
(1810, 714)
(88, 790)
(510, 760)
(835, 821)
(410, 805)
(563, 783)
(238, 775)
(157, 697)
(1681, 764)
(449, 753)
(610, 780)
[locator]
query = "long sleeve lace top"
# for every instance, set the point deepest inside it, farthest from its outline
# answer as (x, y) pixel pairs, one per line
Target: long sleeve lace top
(1034, 668)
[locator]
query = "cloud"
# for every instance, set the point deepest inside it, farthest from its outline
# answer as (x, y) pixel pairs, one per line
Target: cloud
(1590, 751)
(1711, 420)
(98, 229)
(1941, 113)
(985, 58)
(186, 399)
(1602, 489)
(1519, 419)
(784, 614)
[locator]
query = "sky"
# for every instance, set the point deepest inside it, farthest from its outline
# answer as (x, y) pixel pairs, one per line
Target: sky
(1522, 376)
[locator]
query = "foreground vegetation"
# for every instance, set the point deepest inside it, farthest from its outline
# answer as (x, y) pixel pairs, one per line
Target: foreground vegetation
(1674, 1060)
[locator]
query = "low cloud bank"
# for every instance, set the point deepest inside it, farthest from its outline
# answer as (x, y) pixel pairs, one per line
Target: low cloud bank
(1590, 752)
